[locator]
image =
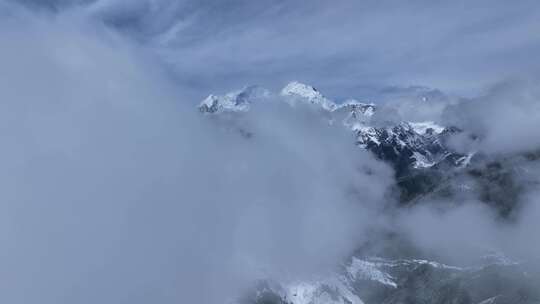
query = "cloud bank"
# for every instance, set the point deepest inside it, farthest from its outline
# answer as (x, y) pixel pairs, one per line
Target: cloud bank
(502, 121)
(116, 191)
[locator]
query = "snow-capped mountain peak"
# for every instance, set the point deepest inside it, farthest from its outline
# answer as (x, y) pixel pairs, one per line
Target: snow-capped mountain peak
(353, 105)
(299, 92)
(427, 128)
(237, 101)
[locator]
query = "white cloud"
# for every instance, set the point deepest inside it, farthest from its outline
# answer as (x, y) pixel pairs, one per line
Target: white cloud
(115, 189)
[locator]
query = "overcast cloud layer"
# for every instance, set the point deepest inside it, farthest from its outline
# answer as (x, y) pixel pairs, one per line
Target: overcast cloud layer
(113, 191)
(346, 48)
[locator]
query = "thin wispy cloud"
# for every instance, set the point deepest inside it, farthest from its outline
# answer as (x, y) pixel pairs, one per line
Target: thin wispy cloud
(347, 48)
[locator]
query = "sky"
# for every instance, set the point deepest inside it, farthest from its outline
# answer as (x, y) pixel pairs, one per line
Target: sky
(347, 49)
(114, 189)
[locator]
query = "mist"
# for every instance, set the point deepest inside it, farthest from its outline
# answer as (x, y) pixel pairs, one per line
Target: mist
(497, 127)
(501, 120)
(115, 189)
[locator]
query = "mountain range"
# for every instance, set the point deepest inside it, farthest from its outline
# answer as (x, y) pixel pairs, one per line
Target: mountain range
(418, 144)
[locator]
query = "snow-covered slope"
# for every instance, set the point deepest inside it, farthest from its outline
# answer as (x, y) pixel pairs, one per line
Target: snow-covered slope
(416, 144)
(237, 101)
(392, 281)
(295, 92)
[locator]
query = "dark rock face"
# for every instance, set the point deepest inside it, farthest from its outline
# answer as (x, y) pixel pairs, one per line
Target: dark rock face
(419, 160)
(495, 181)
(399, 144)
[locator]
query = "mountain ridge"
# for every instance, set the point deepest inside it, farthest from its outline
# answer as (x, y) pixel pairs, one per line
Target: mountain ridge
(414, 144)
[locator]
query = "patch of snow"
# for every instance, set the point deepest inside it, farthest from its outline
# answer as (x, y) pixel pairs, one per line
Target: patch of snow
(437, 265)
(301, 293)
(490, 300)
(303, 92)
(237, 101)
(328, 291)
(465, 160)
(365, 134)
(425, 127)
(366, 270)
(498, 258)
(464, 187)
(411, 262)
(421, 161)
(367, 109)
